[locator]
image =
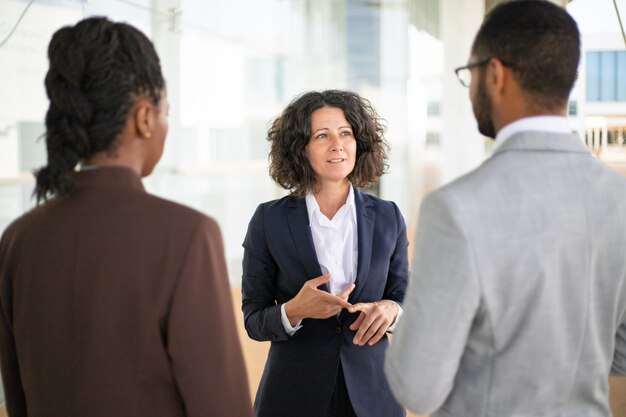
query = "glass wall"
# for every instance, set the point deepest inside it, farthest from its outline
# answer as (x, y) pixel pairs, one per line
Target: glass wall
(231, 67)
(606, 76)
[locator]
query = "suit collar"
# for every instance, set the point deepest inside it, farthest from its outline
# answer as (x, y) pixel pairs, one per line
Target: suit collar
(298, 221)
(543, 123)
(109, 176)
(366, 219)
(543, 141)
(362, 199)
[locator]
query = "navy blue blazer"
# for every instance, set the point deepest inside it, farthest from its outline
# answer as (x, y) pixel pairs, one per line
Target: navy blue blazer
(300, 371)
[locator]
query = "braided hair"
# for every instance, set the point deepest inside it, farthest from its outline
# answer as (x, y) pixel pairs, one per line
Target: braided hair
(98, 69)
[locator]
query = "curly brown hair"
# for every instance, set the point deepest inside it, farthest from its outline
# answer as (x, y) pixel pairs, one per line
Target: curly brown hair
(291, 131)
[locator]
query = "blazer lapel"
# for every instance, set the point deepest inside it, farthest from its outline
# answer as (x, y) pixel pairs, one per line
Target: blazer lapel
(365, 220)
(298, 220)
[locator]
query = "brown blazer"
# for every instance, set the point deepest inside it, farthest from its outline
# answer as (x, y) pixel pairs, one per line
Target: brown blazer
(116, 303)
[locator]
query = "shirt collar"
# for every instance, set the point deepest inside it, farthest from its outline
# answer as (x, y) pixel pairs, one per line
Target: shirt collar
(552, 124)
(312, 206)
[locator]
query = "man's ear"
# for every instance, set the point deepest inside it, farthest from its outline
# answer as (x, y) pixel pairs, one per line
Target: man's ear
(143, 117)
(497, 77)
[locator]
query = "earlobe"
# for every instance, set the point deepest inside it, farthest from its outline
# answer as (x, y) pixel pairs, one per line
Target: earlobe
(143, 119)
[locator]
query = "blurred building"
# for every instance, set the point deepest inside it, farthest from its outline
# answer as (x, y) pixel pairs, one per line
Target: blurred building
(231, 66)
(598, 103)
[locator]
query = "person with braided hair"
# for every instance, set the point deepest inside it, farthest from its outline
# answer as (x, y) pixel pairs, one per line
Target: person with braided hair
(113, 302)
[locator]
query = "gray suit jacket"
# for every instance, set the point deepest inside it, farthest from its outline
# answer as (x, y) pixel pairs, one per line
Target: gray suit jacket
(517, 302)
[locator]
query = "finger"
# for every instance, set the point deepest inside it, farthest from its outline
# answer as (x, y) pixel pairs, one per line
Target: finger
(346, 292)
(379, 334)
(372, 330)
(330, 311)
(333, 299)
(359, 307)
(364, 328)
(316, 282)
(357, 323)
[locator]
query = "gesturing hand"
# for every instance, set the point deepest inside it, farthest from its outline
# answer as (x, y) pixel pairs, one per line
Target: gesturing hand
(373, 322)
(313, 303)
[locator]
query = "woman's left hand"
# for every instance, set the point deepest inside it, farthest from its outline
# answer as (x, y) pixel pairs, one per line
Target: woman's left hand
(373, 322)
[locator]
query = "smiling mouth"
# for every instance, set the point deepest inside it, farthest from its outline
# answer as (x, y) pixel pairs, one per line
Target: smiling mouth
(336, 160)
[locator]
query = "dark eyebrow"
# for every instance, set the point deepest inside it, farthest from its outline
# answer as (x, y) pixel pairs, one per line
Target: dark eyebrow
(322, 128)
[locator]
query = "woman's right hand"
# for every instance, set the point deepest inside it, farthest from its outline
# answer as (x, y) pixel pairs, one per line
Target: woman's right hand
(313, 303)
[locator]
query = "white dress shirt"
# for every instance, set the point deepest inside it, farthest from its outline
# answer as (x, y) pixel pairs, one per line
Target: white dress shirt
(336, 246)
(551, 124)
(335, 242)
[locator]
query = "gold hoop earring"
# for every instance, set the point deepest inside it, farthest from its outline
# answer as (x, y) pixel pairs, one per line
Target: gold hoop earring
(147, 135)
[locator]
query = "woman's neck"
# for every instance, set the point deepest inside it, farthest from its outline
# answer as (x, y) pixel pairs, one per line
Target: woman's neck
(123, 156)
(331, 197)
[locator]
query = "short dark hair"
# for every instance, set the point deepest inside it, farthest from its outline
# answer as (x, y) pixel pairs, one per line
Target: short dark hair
(289, 135)
(98, 69)
(539, 41)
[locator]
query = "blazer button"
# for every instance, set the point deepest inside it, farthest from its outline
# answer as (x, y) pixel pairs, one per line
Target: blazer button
(271, 337)
(338, 329)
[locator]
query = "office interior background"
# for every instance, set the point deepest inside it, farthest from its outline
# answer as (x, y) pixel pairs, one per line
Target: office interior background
(231, 67)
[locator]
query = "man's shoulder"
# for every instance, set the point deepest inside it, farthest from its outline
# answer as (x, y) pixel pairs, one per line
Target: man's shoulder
(465, 187)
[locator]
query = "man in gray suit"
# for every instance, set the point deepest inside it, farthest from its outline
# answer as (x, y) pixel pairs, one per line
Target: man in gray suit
(517, 303)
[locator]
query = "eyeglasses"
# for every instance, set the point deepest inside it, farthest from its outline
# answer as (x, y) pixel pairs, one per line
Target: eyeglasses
(464, 73)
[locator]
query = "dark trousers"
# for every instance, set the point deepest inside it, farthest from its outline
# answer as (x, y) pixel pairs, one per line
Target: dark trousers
(340, 405)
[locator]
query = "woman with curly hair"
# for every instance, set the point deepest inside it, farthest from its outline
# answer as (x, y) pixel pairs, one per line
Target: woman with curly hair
(325, 268)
